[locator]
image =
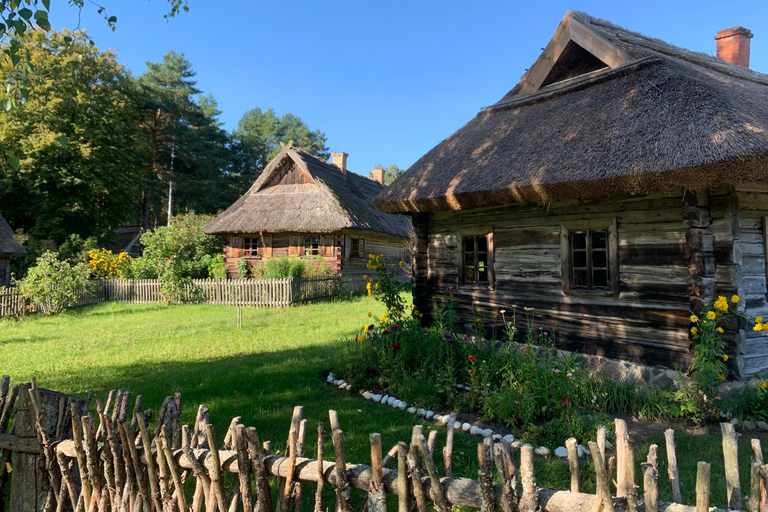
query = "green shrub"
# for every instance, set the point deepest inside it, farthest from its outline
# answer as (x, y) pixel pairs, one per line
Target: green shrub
(54, 284)
(293, 267)
(243, 268)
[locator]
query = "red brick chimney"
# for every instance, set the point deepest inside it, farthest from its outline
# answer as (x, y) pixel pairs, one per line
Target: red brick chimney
(378, 175)
(733, 46)
(340, 161)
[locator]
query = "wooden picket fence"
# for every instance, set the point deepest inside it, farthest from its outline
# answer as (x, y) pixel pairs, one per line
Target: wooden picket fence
(63, 459)
(260, 293)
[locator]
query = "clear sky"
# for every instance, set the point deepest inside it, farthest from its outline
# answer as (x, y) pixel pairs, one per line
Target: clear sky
(386, 81)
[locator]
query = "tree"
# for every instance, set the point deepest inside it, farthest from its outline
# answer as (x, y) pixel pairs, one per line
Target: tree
(187, 144)
(73, 146)
(258, 136)
(391, 173)
(54, 284)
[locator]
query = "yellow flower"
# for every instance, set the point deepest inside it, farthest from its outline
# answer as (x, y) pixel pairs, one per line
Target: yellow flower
(694, 319)
(725, 357)
(764, 385)
(721, 304)
(365, 278)
(478, 320)
(720, 330)
(711, 315)
(735, 299)
(694, 330)
(401, 263)
(720, 376)
(758, 327)
(360, 339)
(759, 319)
(479, 311)
(421, 315)
(370, 314)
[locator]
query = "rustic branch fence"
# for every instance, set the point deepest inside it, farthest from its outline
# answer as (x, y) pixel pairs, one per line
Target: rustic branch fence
(63, 460)
(260, 293)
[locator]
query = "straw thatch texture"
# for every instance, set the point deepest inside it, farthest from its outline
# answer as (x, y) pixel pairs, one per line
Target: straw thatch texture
(7, 244)
(331, 202)
(668, 118)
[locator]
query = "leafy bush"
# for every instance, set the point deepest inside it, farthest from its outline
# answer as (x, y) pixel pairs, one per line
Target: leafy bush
(243, 268)
(293, 267)
(107, 265)
(54, 284)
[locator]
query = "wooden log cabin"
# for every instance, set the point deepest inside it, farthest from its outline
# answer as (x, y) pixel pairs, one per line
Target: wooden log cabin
(301, 206)
(9, 248)
(619, 185)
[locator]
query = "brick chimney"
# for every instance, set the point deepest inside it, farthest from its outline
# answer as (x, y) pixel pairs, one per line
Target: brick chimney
(340, 161)
(733, 46)
(378, 175)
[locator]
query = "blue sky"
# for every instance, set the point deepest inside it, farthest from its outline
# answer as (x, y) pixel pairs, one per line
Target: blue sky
(386, 81)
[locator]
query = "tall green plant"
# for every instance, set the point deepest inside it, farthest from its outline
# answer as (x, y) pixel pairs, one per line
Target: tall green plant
(53, 284)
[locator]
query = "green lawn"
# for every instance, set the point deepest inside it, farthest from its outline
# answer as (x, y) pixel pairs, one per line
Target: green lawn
(276, 361)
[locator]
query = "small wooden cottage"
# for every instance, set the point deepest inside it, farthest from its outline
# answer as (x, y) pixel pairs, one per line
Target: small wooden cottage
(622, 182)
(8, 249)
(302, 205)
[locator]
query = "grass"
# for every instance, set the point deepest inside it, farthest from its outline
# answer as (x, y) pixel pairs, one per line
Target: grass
(276, 361)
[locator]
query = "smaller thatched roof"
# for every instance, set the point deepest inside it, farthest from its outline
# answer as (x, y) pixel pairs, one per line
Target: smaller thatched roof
(8, 245)
(603, 111)
(328, 201)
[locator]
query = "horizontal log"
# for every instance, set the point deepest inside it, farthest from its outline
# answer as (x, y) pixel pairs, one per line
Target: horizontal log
(19, 444)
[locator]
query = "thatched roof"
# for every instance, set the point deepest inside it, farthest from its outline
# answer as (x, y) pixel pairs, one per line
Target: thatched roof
(329, 201)
(7, 244)
(657, 117)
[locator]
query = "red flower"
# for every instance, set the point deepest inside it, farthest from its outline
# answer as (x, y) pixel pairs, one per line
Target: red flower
(396, 346)
(567, 400)
(473, 358)
(470, 370)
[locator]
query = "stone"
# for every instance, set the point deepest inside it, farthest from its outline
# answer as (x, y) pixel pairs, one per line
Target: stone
(349, 387)
(496, 437)
(542, 450)
(749, 425)
(437, 418)
(391, 400)
(402, 406)
(730, 389)
(384, 399)
(367, 395)
(487, 432)
(561, 451)
(585, 450)
(429, 415)
(376, 397)
(411, 410)
(734, 421)
(474, 430)
(608, 444)
(516, 445)
(465, 427)
(342, 385)
(579, 450)
(420, 412)
(457, 425)
(761, 425)
(509, 438)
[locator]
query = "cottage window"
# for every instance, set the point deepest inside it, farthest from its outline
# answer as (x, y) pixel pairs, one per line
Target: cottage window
(250, 246)
(589, 253)
(476, 260)
(358, 248)
(311, 245)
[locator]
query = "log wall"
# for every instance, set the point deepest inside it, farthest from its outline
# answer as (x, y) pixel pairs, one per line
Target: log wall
(647, 321)
(353, 269)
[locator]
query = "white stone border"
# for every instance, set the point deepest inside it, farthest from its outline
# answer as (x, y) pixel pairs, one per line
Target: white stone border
(429, 415)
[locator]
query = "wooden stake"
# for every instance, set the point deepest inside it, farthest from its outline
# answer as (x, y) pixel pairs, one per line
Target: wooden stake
(203, 483)
(414, 472)
(342, 479)
(485, 475)
(165, 445)
(377, 499)
(731, 458)
(602, 478)
(621, 458)
(334, 417)
(432, 440)
(297, 487)
(244, 468)
(436, 487)
(82, 463)
(320, 475)
(215, 471)
(630, 476)
(448, 448)
(264, 493)
(703, 480)
(601, 432)
(754, 491)
(505, 465)
(146, 444)
(653, 456)
(573, 462)
(757, 456)
(650, 487)
(293, 440)
(530, 499)
(403, 496)
(674, 478)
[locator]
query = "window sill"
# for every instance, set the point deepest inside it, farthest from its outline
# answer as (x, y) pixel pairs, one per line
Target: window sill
(590, 293)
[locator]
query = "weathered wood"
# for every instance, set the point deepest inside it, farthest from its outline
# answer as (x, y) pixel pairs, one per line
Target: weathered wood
(674, 478)
(757, 456)
(403, 496)
(731, 458)
(293, 441)
(601, 433)
(436, 490)
(203, 482)
(703, 480)
(165, 446)
(530, 500)
(753, 504)
(342, 481)
(244, 468)
(630, 476)
(414, 472)
(377, 499)
(320, 475)
(621, 458)
(485, 475)
(604, 491)
(650, 487)
(150, 463)
(215, 469)
(653, 456)
(448, 448)
(573, 462)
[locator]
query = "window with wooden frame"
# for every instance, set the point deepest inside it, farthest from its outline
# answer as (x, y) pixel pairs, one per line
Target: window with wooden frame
(358, 248)
(311, 245)
(589, 253)
(250, 246)
(477, 259)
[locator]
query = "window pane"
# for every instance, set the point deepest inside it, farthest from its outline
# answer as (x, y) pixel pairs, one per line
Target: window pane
(600, 278)
(469, 244)
(580, 278)
(580, 259)
(482, 267)
(599, 259)
(469, 274)
(599, 239)
(482, 243)
(579, 240)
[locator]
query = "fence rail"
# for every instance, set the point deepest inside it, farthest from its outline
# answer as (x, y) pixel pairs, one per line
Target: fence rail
(260, 293)
(64, 457)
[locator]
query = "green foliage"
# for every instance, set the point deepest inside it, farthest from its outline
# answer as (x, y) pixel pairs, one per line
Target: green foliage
(279, 268)
(387, 287)
(53, 284)
(751, 404)
(391, 173)
(243, 268)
